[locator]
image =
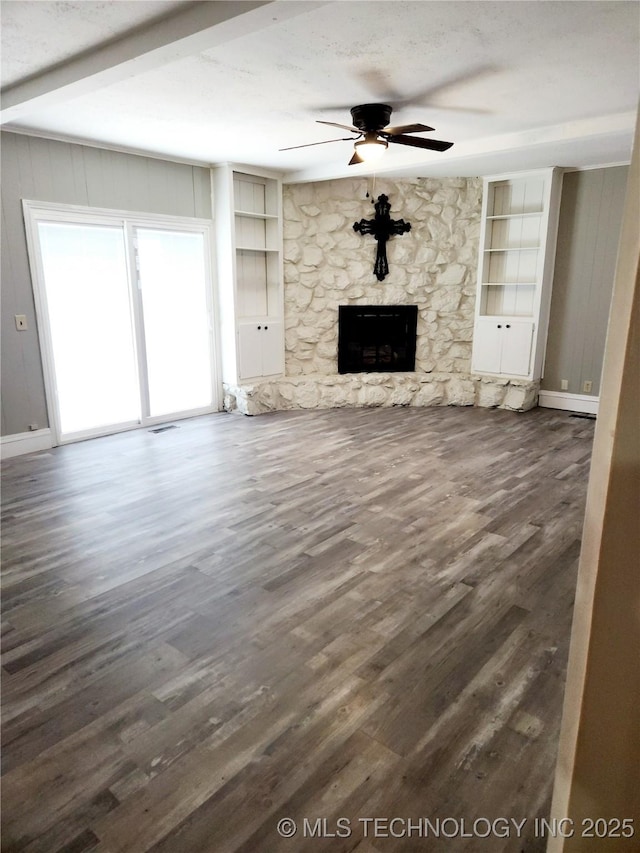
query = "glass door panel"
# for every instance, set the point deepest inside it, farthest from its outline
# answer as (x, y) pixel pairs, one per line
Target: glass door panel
(177, 337)
(90, 326)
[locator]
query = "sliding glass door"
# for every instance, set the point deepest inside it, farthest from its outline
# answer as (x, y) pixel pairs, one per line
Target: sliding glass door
(173, 285)
(91, 327)
(124, 312)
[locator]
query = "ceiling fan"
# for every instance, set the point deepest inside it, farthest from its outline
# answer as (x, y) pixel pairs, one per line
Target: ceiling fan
(370, 124)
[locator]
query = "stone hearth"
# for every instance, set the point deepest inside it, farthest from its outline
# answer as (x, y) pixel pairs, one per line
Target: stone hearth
(379, 389)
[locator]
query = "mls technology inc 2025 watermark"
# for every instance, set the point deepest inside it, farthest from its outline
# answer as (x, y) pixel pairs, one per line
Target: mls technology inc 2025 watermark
(451, 827)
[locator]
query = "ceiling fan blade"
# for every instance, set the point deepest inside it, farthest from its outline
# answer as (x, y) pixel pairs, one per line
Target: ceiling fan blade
(407, 128)
(417, 142)
(355, 159)
(324, 142)
(379, 83)
(341, 126)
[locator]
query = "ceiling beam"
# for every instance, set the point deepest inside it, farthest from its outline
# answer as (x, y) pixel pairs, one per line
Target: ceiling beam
(617, 129)
(194, 29)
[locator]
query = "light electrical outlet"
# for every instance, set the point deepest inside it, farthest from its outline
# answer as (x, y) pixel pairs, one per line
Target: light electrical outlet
(21, 322)
(564, 384)
(587, 385)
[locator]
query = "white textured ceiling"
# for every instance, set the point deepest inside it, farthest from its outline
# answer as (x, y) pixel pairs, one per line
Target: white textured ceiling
(36, 39)
(514, 85)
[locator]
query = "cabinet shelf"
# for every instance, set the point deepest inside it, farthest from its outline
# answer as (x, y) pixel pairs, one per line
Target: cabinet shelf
(514, 249)
(252, 215)
(502, 318)
(516, 215)
(508, 283)
(255, 230)
(505, 318)
(255, 249)
(499, 299)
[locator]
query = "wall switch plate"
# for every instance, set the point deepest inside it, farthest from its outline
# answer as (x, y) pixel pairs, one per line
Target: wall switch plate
(587, 385)
(21, 322)
(564, 384)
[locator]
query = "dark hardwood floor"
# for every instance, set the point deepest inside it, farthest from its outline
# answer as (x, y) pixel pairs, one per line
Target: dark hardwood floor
(337, 615)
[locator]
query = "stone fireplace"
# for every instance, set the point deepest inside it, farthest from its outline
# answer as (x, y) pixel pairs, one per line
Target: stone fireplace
(433, 268)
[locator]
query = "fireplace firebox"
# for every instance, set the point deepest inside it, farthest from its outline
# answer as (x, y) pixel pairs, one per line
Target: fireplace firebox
(376, 338)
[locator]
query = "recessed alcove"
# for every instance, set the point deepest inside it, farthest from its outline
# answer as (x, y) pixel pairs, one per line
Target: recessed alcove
(377, 338)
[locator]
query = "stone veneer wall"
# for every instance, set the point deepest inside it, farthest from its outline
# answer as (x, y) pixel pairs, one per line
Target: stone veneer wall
(327, 264)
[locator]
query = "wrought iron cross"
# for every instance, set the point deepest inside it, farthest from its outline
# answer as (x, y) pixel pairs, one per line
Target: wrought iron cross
(382, 227)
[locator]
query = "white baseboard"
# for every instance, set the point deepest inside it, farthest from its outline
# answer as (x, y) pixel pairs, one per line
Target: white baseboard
(25, 442)
(569, 402)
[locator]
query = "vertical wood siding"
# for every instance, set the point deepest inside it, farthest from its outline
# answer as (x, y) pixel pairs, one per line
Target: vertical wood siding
(45, 170)
(588, 234)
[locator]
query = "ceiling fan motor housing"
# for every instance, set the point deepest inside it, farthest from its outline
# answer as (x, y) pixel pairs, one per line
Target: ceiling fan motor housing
(369, 123)
(371, 117)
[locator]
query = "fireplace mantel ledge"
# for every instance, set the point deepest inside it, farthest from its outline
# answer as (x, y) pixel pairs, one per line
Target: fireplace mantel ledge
(324, 391)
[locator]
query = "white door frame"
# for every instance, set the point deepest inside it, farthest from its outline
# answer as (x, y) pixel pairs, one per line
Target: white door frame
(37, 211)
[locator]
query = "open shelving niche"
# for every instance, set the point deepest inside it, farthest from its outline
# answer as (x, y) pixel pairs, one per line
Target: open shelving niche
(248, 207)
(517, 249)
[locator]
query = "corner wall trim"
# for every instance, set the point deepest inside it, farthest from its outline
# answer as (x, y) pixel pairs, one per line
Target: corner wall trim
(25, 442)
(569, 402)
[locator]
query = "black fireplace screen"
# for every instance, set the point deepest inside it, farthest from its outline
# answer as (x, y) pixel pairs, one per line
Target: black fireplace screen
(376, 338)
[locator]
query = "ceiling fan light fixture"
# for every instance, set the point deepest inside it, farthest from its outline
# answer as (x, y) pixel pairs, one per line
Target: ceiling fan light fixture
(371, 149)
(370, 123)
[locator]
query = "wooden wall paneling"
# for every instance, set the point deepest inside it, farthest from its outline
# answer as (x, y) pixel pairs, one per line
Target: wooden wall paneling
(614, 182)
(588, 235)
(22, 379)
(38, 162)
(52, 171)
(95, 175)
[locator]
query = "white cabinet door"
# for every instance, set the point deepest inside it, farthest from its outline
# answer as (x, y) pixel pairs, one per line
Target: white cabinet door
(517, 338)
(272, 348)
(487, 346)
(502, 346)
(260, 348)
(249, 350)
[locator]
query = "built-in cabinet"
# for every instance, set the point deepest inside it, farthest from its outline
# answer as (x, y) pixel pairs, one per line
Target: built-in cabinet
(515, 270)
(260, 348)
(503, 346)
(248, 210)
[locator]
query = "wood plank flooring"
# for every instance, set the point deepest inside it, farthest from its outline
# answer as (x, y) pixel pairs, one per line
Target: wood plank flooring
(337, 615)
